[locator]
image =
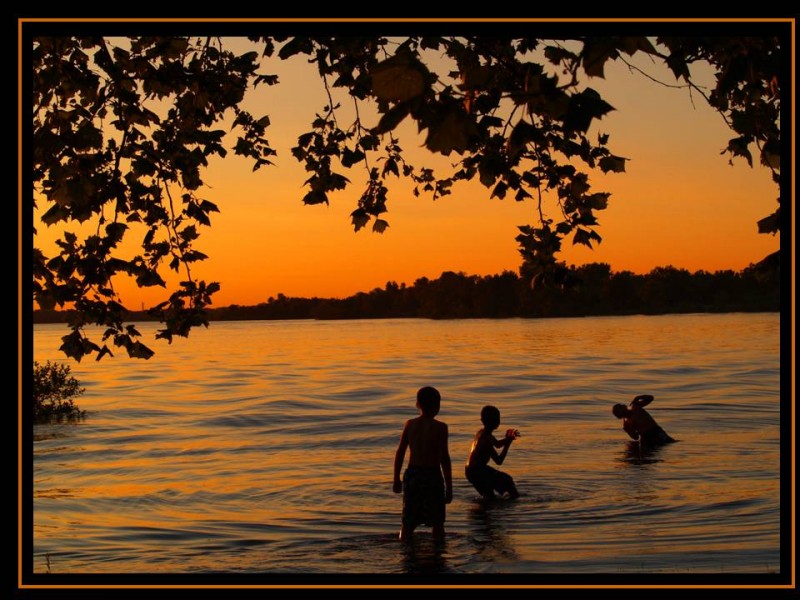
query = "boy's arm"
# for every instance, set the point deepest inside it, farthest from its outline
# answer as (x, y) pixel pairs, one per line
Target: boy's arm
(506, 443)
(642, 400)
(630, 429)
(399, 457)
(447, 469)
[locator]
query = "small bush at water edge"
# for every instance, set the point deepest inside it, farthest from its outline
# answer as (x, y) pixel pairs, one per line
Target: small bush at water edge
(54, 391)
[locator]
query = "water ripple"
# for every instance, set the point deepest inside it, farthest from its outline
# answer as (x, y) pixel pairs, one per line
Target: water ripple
(268, 447)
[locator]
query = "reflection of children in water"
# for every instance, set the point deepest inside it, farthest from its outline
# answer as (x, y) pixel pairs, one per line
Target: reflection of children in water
(636, 454)
(490, 534)
(425, 555)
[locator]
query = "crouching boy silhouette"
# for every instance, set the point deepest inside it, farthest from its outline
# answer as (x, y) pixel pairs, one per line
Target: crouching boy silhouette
(484, 478)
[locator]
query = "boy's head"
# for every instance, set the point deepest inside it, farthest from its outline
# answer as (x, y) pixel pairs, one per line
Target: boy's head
(490, 417)
(429, 400)
(620, 411)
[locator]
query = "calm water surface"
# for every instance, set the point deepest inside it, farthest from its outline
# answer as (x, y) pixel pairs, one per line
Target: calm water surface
(267, 447)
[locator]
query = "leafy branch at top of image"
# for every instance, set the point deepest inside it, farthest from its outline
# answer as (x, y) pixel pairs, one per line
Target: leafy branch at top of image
(123, 130)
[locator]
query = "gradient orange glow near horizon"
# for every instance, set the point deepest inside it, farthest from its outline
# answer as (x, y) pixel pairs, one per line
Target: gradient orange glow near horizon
(679, 203)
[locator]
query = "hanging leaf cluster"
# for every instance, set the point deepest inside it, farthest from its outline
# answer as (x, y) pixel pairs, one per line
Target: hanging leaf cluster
(121, 135)
(123, 129)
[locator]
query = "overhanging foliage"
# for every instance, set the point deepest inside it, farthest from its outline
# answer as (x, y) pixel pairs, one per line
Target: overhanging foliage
(123, 128)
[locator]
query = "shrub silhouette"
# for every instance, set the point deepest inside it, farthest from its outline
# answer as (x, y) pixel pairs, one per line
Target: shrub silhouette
(54, 391)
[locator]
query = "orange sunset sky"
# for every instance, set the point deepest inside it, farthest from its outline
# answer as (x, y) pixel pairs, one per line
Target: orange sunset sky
(680, 202)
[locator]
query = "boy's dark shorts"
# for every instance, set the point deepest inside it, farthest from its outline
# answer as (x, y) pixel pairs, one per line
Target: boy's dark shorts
(486, 480)
(423, 496)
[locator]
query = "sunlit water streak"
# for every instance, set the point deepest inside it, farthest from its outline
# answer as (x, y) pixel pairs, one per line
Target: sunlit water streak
(267, 447)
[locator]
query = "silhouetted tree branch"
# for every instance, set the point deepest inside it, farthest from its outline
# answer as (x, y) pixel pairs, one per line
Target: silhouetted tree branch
(130, 123)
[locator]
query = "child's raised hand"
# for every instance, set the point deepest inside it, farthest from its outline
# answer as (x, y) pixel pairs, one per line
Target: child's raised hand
(512, 433)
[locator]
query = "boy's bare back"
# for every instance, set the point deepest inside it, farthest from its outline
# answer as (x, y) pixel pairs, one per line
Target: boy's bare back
(427, 441)
(481, 450)
(640, 419)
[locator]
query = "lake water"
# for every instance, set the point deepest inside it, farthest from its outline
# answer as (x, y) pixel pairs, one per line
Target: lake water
(266, 448)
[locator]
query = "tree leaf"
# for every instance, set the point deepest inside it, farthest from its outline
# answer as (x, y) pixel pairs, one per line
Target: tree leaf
(521, 195)
(451, 133)
(523, 133)
(44, 300)
(369, 142)
(315, 197)
(360, 218)
(555, 54)
(399, 78)
(176, 47)
(337, 181)
(390, 167)
(297, 45)
(55, 214)
(193, 256)
(148, 278)
(578, 187)
(187, 234)
(614, 164)
(678, 66)
(582, 237)
(351, 157)
(632, 44)
(499, 190)
(476, 76)
(392, 118)
(771, 159)
(139, 350)
(583, 107)
(115, 231)
(208, 206)
(596, 51)
(103, 351)
(770, 224)
(489, 169)
(599, 201)
(738, 146)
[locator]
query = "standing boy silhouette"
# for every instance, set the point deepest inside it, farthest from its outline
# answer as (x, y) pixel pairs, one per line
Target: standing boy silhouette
(427, 483)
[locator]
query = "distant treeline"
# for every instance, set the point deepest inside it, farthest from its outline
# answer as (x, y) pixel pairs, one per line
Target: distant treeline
(594, 290)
